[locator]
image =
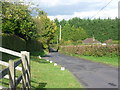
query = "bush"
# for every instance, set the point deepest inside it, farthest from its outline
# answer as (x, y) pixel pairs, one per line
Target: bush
(92, 50)
(115, 41)
(14, 43)
(34, 45)
(18, 44)
(71, 42)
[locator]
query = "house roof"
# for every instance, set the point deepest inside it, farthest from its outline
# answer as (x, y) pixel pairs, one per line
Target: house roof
(90, 40)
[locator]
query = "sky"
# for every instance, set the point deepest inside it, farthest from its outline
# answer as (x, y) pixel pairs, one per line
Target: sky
(67, 9)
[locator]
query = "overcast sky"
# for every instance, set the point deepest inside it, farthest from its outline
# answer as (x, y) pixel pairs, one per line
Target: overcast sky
(66, 9)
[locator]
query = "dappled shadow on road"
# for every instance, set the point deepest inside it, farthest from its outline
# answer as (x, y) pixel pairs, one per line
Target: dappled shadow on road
(53, 50)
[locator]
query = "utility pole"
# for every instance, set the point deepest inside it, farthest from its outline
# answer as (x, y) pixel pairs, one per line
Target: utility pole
(93, 38)
(57, 40)
(60, 33)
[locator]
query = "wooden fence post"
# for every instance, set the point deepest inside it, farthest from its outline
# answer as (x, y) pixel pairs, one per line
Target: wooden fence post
(12, 75)
(23, 69)
(28, 68)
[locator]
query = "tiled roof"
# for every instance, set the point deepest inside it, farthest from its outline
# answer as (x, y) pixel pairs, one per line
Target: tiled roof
(90, 40)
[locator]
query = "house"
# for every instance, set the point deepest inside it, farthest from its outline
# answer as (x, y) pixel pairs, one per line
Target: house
(90, 41)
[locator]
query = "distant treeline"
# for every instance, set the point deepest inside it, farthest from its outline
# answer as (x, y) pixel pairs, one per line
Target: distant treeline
(78, 29)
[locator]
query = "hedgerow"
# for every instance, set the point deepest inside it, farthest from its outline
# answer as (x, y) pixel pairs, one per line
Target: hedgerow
(92, 50)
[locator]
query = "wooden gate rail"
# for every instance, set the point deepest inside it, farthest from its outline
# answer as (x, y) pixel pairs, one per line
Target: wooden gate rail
(12, 66)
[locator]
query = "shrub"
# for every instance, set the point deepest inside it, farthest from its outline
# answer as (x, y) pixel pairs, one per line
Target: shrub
(115, 41)
(14, 43)
(92, 50)
(34, 45)
(18, 44)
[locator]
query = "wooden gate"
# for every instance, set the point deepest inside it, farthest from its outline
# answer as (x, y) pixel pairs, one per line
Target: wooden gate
(12, 66)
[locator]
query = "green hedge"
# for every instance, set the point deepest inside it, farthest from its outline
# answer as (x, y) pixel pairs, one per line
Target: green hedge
(34, 45)
(92, 50)
(14, 43)
(18, 44)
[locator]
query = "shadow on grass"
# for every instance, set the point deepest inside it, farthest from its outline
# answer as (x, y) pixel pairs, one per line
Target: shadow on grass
(4, 83)
(42, 61)
(36, 59)
(40, 85)
(47, 56)
(42, 53)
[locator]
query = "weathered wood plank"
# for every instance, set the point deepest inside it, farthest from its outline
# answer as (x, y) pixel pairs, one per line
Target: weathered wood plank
(23, 69)
(2, 88)
(18, 80)
(4, 72)
(7, 77)
(18, 63)
(27, 58)
(25, 77)
(10, 52)
(6, 64)
(12, 74)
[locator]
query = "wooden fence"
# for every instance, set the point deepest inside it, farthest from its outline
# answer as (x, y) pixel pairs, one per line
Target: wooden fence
(12, 66)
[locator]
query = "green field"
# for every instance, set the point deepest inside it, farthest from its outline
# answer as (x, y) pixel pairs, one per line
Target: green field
(46, 75)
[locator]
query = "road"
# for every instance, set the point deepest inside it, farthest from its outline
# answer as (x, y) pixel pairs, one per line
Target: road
(90, 74)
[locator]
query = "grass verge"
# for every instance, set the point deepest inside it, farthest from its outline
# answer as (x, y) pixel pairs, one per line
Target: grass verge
(112, 61)
(46, 75)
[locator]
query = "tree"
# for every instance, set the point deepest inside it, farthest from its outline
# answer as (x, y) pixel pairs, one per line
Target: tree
(45, 28)
(17, 19)
(79, 34)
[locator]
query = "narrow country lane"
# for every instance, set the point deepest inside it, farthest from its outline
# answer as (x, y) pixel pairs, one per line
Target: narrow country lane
(90, 74)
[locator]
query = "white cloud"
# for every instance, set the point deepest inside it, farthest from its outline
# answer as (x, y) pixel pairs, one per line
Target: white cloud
(60, 17)
(110, 11)
(103, 14)
(44, 3)
(51, 3)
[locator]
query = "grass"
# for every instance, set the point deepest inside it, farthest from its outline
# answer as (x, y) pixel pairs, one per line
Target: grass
(112, 61)
(46, 75)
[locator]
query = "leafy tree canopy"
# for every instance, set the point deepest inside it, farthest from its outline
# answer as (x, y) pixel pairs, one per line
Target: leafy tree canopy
(16, 19)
